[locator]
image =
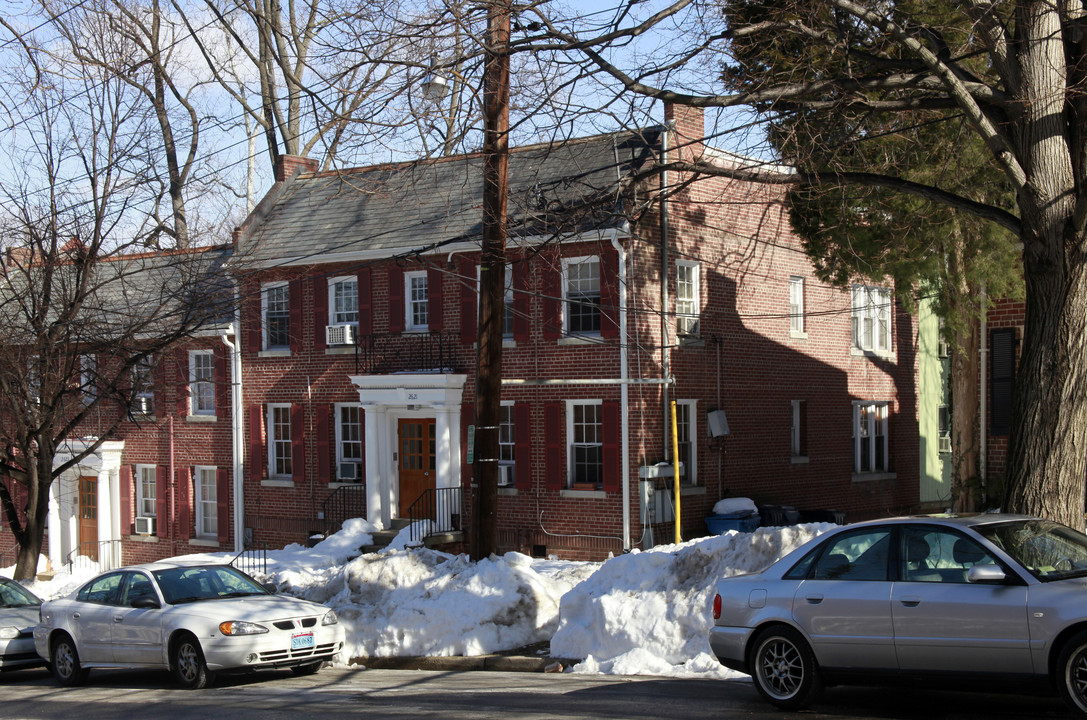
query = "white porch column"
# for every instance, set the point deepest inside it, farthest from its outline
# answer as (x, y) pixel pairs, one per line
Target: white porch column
(56, 541)
(70, 509)
(374, 421)
(443, 461)
(105, 523)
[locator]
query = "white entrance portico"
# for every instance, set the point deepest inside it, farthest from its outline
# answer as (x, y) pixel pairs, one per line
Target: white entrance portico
(388, 399)
(76, 527)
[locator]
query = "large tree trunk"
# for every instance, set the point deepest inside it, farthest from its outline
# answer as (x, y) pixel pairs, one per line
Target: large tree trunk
(964, 423)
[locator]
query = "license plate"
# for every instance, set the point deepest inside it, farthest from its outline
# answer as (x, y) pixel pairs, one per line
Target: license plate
(302, 641)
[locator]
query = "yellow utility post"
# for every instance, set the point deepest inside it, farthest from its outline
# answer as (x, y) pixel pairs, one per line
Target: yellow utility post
(675, 467)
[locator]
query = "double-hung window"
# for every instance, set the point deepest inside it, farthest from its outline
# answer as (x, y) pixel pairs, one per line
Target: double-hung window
(143, 387)
(201, 382)
(585, 428)
(686, 436)
(280, 456)
(688, 297)
(796, 305)
(416, 301)
(870, 448)
(798, 442)
(276, 302)
(506, 444)
(205, 502)
(871, 318)
(145, 491)
(343, 301)
(581, 296)
(348, 443)
(88, 378)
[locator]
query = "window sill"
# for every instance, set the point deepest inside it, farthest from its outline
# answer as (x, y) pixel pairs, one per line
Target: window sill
(883, 354)
(337, 484)
(798, 334)
(798, 460)
(507, 490)
(203, 542)
(580, 340)
(871, 476)
(340, 350)
(201, 418)
(274, 353)
(583, 494)
(142, 417)
(273, 482)
(143, 538)
(691, 341)
(415, 331)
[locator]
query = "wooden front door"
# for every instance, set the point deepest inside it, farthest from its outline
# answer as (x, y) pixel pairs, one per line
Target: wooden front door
(416, 463)
(88, 517)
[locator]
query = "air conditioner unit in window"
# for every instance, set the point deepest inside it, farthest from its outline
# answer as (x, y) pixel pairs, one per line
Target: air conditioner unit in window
(145, 526)
(340, 334)
(505, 475)
(945, 444)
(349, 471)
(143, 405)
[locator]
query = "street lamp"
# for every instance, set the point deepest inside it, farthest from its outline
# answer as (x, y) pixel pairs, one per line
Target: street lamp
(434, 85)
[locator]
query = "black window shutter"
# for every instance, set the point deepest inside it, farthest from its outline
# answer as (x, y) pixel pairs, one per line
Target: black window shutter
(1002, 379)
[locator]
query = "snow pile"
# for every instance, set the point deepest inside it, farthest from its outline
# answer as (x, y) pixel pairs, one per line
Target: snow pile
(735, 506)
(650, 612)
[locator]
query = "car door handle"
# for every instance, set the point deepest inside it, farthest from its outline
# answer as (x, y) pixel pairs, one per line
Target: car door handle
(814, 599)
(75, 616)
(911, 601)
(118, 618)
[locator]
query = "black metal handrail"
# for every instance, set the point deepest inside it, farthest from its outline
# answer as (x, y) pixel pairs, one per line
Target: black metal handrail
(435, 512)
(345, 502)
(252, 559)
(103, 549)
(395, 352)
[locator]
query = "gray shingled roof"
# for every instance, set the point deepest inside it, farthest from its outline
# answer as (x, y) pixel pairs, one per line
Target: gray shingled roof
(387, 210)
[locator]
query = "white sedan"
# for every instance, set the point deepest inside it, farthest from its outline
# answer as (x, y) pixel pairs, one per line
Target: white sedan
(194, 620)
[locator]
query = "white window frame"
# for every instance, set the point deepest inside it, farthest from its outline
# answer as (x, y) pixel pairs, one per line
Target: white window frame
(871, 429)
(796, 306)
(507, 438)
(690, 408)
(201, 388)
(280, 447)
(871, 312)
(146, 491)
(567, 300)
(88, 371)
(350, 314)
(266, 335)
(341, 439)
(570, 435)
(205, 502)
(143, 380)
(798, 441)
(688, 297)
(412, 303)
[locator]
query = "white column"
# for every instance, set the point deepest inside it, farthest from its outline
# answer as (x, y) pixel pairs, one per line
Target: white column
(443, 462)
(373, 417)
(105, 525)
(116, 531)
(56, 541)
(71, 509)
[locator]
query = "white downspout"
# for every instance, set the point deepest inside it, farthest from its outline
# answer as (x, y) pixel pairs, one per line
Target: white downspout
(624, 388)
(236, 425)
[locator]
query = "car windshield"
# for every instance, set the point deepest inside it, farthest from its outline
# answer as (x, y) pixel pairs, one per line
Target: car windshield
(1048, 550)
(205, 582)
(15, 595)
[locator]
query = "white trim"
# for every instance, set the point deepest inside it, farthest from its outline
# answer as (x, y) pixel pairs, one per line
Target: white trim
(200, 521)
(565, 299)
(271, 449)
(409, 316)
(195, 382)
(337, 410)
(796, 298)
(871, 318)
(687, 323)
(690, 469)
(331, 290)
(884, 426)
(141, 509)
(568, 481)
(264, 335)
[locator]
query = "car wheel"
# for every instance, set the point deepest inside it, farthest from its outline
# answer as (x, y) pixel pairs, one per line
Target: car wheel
(784, 669)
(1071, 673)
(66, 668)
(187, 664)
(310, 669)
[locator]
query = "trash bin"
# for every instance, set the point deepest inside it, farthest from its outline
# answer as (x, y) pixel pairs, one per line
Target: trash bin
(741, 522)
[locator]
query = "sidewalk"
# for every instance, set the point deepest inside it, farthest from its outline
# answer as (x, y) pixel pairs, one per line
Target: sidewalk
(532, 658)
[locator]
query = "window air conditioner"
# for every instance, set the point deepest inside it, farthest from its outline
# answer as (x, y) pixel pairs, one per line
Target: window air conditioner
(145, 526)
(143, 405)
(340, 334)
(505, 475)
(945, 444)
(349, 471)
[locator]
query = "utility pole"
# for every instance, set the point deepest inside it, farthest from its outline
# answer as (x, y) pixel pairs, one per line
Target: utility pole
(492, 276)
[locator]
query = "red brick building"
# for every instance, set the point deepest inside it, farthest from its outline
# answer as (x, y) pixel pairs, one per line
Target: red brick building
(625, 291)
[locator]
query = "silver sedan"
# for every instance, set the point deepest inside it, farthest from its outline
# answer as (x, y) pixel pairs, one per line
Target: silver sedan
(988, 598)
(195, 620)
(18, 616)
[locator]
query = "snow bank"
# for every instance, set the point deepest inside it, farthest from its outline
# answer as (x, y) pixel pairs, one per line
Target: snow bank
(650, 612)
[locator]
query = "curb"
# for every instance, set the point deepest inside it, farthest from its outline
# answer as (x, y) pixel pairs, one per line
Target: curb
(471, 663)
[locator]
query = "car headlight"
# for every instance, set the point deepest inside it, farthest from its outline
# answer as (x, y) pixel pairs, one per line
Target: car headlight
(330, 618)
(9, 633)
(241, 627)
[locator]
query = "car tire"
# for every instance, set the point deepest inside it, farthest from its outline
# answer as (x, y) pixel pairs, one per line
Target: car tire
(784, 668)
(187, 664)
(65, 662)
(1071, 673)
(309, 669)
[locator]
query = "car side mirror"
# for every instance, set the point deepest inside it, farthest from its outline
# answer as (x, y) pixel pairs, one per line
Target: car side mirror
(986, 574)
(271, 587)
(145, 603)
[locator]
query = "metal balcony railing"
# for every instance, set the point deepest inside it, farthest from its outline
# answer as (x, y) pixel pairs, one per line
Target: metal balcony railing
(99, 551)
(399, 352)
(435, 512)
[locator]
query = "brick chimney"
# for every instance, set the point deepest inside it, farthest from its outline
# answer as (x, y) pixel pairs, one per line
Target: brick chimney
(689, 129)
(288, 165)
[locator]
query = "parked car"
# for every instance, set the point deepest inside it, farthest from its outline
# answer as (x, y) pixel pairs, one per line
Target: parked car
(195, 620)
(18, 616)
(986, 598)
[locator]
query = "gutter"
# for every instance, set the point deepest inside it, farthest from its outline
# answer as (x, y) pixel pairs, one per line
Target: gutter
(236, 424)
(624, 388)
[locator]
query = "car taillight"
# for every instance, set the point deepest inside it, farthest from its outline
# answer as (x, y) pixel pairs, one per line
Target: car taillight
(716, 607)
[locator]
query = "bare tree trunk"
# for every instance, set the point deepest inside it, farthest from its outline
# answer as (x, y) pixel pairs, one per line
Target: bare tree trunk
(964, 423)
